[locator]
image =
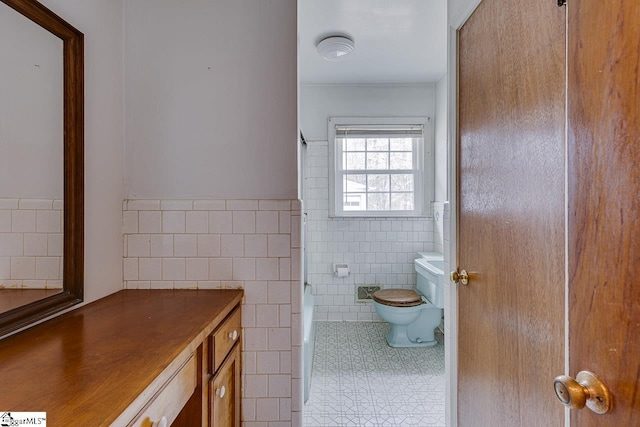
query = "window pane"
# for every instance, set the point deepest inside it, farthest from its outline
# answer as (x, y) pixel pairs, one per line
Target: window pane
(378, 183)
(378, 202)
(401, 161)
(377, 144)
(401, 144)
(377, 160)
(354, 144)
(354, 183)
(353, 161)
(401, 201)
(354, 202)
(375, 172)
(402, 182)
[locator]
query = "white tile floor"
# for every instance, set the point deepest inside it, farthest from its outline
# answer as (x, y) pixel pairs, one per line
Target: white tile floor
(358, 380)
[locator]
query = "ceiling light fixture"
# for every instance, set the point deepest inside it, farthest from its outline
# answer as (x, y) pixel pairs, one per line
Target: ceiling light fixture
(335, 48)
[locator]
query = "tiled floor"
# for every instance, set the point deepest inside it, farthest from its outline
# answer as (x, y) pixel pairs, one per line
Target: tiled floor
(358, 380)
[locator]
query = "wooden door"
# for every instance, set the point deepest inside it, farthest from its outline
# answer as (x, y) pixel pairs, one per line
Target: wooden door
(511, 211)
(604, 202)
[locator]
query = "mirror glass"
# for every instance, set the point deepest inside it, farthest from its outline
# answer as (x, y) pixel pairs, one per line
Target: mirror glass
(41, 164)
(31, 161)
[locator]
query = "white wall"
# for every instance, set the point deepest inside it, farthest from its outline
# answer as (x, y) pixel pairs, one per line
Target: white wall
(441, 140)
(378, 251)
(211, 99)
(319, 102)
(101, 23)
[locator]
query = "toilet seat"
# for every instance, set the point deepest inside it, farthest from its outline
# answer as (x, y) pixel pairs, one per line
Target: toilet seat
(398, 297)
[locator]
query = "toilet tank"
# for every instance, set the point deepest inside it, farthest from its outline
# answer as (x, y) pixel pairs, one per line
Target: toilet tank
(430, 280)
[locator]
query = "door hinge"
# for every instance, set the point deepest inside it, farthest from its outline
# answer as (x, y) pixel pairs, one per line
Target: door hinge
(562, 3)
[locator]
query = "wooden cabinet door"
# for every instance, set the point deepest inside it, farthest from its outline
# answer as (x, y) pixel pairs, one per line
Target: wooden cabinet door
(604, 202)
(511, 211)
(224, 392)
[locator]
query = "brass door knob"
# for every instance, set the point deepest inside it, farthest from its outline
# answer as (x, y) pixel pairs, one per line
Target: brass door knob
(587, 389)
(462, 277)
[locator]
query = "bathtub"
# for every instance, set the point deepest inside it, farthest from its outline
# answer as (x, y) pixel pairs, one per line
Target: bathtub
(309, 329)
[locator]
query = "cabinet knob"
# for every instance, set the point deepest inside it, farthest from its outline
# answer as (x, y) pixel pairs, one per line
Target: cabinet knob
(233, 335)
(221, 392)
(162, 423)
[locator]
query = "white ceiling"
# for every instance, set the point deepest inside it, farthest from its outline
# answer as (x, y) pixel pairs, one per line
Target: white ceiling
(396, 41)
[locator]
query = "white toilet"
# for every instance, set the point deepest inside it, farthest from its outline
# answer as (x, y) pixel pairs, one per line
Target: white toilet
(414, 315)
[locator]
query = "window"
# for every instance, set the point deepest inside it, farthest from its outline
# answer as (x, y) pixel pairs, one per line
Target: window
(378, 166)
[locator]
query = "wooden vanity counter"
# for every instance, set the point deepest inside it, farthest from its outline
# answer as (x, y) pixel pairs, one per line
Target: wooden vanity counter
(102, 363)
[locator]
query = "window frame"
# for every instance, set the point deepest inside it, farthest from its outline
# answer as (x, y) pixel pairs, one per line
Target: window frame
(423, 186)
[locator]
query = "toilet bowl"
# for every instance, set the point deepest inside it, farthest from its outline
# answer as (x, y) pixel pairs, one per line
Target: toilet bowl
(414, 314)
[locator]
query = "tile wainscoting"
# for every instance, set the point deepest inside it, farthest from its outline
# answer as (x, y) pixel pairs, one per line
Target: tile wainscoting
(249, 244)
(31, 243)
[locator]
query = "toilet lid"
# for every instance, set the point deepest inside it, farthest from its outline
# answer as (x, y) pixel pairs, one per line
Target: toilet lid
(397, 297)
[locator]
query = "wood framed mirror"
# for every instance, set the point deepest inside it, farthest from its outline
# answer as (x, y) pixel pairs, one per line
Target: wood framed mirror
(67, 288)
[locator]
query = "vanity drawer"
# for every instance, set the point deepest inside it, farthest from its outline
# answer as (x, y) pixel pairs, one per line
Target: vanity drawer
(171, 398)
(225, 337)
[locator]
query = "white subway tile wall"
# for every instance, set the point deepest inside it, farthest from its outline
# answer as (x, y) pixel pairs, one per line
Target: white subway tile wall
(249, 244)
(379, 251)
(31, 243)
(438, 226)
